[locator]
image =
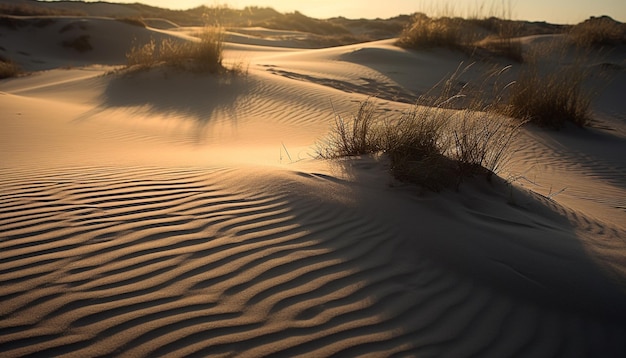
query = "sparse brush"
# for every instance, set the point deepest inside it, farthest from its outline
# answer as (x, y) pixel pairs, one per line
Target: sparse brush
(204, 55)
(142, 56)
(9, 69)
(431, 145)
(550, 98)
(208, 53)
(596, 32)
(80, 43)
(427, 32)
(480, 142)
(495, 35)
(416, 144)
(356, 137)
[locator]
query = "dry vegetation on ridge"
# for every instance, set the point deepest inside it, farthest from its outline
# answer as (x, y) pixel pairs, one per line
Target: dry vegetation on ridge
(204, 55)
(435, 144)
(9, 69)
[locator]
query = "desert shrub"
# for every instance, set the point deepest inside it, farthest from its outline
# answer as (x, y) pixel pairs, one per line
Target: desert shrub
(202, 55)
(9, 69)
(427, 32)
(142, 56)
(480, 141)
(600, 31)
(80, 44)
(356, 137)
(550, 98)
(416, 144)
(208, 52)
(495, 35)
(430, 146)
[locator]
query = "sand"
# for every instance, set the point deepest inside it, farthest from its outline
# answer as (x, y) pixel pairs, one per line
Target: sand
(166, 213)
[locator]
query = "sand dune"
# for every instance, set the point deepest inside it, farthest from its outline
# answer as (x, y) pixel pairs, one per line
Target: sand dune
(154, 261)
(164, 213)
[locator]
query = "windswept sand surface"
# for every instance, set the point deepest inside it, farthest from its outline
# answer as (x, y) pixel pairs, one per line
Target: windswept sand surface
(165, 213)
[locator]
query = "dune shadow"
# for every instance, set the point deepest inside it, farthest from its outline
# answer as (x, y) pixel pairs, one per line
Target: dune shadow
(512, 240)
(200, 97)
(367, 86)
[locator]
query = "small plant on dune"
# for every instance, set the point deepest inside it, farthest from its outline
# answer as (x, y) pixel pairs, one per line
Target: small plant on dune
(597, 32)
(204, 55)
(416, 144)
(427, 32)
(431, 145)
(143, 56)
(356, 137)
(504, 42)
(550, 98)
(208, 52)
(493, 34)
(480, 142)
(80, 44)
(9, 69)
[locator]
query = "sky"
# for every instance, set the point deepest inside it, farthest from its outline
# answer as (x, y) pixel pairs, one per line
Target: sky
(554, 11)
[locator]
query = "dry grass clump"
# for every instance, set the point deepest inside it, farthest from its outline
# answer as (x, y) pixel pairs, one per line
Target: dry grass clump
(416, 144)
(356, 137)
(204, 55)
(431, 146)
(494, 35)
(550, 98)
(480, 141)
(9, 68)
(598, 31)
(80, 43)
(426, 32)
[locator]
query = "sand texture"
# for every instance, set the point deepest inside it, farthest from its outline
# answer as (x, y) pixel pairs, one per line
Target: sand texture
(168, 213)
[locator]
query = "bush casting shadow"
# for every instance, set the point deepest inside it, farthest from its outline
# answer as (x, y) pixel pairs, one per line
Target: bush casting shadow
(173, 93)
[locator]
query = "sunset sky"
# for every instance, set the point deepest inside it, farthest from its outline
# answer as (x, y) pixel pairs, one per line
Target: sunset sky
(555, 11)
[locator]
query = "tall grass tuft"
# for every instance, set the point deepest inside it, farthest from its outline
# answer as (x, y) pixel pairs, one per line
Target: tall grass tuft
(480, 142)
(426, 32)
(598, 32)
(204, 55)
(431, 145)
(142, 56)
(551, 98)
(416, 144)
(353, 137)
(493, 34)
(9, 69)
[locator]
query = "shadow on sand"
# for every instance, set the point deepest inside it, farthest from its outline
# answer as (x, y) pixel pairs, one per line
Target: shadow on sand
(202, 98)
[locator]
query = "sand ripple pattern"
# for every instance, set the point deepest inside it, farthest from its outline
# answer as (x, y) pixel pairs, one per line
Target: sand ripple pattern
(148, 262)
